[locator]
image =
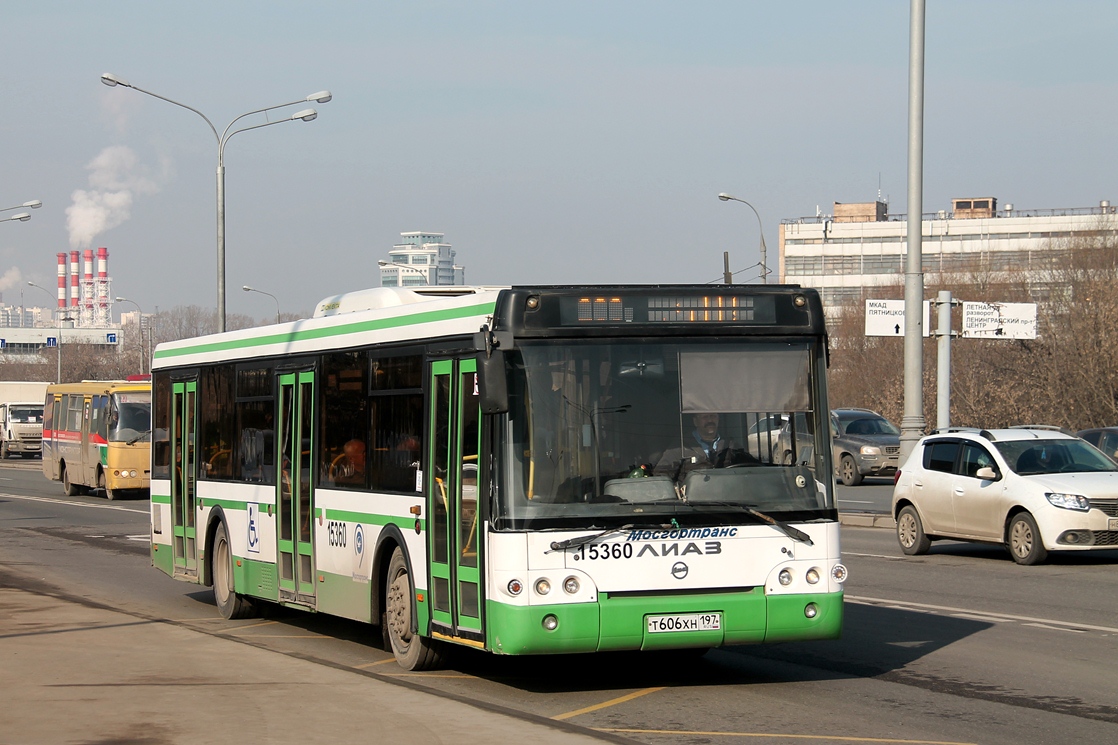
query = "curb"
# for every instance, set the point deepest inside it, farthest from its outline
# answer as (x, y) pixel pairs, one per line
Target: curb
(867, 520)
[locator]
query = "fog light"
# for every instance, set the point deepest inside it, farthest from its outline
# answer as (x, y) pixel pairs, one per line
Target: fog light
(811, 610)
(543, 586)
(550, 622)
(812, 576)
(785, 577)
(838, 573)
(1072, 537)
(570, 584)
(515, 587)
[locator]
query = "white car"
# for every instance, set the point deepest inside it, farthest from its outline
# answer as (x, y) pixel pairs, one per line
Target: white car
(1033, 490)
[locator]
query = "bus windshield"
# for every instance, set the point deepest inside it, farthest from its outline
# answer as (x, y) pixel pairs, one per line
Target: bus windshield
(130, 420)
(609, 433)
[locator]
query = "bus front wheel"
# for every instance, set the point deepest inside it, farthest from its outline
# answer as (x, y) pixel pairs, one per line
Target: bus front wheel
(109, 493)
(412, 651)
(230, 604)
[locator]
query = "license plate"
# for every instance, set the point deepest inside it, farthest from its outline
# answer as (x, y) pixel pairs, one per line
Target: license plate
(1112, 523)
(685, 622)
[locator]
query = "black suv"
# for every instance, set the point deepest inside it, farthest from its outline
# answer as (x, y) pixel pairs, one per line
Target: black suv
(864, 444)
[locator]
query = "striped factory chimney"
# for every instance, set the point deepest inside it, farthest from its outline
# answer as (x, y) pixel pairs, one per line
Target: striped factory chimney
(61, 282)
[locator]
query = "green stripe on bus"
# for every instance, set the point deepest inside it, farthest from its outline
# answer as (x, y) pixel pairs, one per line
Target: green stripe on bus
(160, 498)
(349, 328)
(370, 519)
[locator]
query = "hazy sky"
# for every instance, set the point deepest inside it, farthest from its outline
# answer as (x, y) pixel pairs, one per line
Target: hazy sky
(573, 142)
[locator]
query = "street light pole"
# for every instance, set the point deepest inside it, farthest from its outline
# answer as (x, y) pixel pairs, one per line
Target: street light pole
(420, 272)
(305, 115)
(764, 251)
(61, 313)
(143, 348)
(246, 288)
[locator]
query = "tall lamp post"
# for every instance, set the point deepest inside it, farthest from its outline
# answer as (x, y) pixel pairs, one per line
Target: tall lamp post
(420, 272)
(143, 348)
(764, 252)
(305, 115)
(246, 288)
(61, 316)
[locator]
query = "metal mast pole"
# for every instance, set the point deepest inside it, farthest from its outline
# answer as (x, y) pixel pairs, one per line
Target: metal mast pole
(912, 423)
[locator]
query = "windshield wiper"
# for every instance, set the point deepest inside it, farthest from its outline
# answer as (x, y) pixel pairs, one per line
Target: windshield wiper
(568, 543)
(138, 437)
(794, 533)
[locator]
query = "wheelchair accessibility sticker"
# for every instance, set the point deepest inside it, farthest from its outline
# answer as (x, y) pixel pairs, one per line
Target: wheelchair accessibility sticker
(254, 527)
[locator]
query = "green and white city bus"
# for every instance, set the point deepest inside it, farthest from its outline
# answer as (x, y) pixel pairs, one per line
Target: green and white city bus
(523, 470)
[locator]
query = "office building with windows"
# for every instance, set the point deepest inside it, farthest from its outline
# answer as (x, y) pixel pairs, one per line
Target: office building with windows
(420, 259)
(861, 245)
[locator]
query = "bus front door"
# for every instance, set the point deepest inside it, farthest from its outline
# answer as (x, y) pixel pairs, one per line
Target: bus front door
(184, 403)
(295, 488)
(455, 436)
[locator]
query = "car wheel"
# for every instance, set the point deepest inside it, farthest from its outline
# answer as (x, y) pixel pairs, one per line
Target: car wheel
(848, 471)
(910, 532)
(1022, 539)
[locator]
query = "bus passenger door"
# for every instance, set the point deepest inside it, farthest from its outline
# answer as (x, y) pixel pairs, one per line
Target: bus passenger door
(295, 488)
(455, 435)
(184, 403)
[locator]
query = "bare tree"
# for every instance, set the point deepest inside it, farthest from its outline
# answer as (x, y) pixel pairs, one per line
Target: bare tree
(1067, 376)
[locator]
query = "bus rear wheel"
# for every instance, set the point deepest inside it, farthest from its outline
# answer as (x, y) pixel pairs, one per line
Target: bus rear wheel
(69, 488)
(230, 604)
(412, 651)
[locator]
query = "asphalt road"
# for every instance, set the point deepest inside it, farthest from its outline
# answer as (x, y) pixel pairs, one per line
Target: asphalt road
(958, 646)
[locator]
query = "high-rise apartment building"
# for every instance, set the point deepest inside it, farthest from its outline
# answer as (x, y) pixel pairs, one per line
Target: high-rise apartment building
(421, 258)
(861, 245)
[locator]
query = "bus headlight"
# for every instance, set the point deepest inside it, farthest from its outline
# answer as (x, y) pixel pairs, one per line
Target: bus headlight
(838, 573)
(570, 585)
(543, 586)
(812, 576)
(515, 587)
(785, 577)
(132, 474)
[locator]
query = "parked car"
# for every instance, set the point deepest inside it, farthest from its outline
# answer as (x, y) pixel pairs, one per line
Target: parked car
(864, 444)
(1032, 490)
(763, 435)
(1104, 438)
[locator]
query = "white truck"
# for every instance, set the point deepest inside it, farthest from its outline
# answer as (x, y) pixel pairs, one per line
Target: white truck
(21, 418)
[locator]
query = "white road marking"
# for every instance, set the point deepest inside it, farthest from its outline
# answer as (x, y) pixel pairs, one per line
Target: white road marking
(855, 501)
(872, 556)
(1056, 628)
(969, 613)
(50, 500)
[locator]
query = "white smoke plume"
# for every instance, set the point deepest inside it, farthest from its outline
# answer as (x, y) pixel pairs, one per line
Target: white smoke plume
(11, 278)
(116, 176)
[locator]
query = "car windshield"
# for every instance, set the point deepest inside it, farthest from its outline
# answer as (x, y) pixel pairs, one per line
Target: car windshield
(1032, 457)
(604, 434)
(26, 414)
(869, 425)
